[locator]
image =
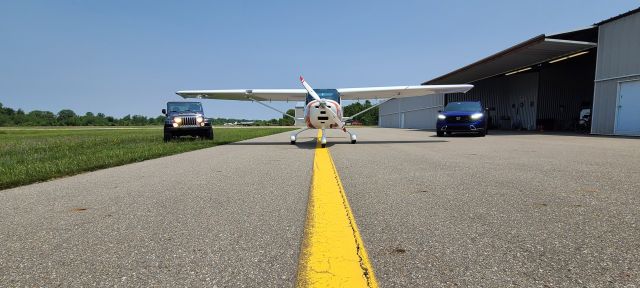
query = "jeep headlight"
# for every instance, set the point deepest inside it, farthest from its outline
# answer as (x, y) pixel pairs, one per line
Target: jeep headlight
(441, 117)
(476, 116)
(177, 120)
(199, 119)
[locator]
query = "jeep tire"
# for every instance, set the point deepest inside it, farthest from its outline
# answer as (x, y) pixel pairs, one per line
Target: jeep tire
(209, 134)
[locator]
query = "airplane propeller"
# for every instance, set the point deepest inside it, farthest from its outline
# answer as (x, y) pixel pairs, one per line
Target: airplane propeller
(323, 102)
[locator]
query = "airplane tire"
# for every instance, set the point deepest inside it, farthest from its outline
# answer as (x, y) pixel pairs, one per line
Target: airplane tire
(293, 142)
(353, 141)
(323, 145)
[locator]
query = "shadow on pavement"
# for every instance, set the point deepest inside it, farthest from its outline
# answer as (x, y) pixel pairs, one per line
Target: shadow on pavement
(312, 144)
(531, 133)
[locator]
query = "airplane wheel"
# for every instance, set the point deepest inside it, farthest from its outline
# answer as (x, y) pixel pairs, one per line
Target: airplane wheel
(323, 145)
(353, 141)
(293, 142)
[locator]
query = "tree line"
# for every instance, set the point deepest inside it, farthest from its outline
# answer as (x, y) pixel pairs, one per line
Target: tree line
(67, 117)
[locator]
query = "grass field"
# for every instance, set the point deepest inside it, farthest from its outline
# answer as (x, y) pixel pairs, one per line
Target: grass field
(34, 155)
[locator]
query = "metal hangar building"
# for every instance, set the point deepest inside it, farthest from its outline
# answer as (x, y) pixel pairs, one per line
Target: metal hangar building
(544, 82)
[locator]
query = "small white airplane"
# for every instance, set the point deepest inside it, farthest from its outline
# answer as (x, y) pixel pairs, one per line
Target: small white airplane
(323, 110)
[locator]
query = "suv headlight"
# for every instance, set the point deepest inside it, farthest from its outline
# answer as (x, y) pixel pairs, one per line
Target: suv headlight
(177, 120)
(441, 117)
(199, 119)
(476, 116)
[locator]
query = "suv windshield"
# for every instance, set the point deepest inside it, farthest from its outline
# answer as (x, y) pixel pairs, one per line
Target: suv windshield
(184, 107)
(463, 106)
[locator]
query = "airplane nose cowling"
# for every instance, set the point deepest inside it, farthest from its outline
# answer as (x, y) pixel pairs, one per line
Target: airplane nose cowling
(319, 116)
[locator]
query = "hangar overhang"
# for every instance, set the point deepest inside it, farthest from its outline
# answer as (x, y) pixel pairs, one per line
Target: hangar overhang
(534, 51)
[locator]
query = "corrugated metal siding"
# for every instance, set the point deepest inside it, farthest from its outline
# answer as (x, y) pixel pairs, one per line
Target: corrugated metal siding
(604, 105)
(565, 88)
(419, 112)
(619, 47)
(387, 114)
(503, 96)
(618, 56)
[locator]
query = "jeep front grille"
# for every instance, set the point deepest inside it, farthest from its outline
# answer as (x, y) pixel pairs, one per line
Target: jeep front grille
(188, 121)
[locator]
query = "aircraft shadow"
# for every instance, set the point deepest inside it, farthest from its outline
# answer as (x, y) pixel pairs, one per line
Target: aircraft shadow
(312, 144)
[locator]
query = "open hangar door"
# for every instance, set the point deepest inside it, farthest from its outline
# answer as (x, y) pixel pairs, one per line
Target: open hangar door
(549, 96)
(540, 84)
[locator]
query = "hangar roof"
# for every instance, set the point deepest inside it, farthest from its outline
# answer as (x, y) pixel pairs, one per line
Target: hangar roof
(625, 14)
(533, 51)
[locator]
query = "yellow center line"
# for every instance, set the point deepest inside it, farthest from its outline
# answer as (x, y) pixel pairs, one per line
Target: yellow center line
(333, 254)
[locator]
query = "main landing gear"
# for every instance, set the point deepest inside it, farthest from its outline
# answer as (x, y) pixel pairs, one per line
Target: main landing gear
(294, 135)
(351, 136)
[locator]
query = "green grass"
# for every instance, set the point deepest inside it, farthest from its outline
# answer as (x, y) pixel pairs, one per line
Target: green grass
(33, 155)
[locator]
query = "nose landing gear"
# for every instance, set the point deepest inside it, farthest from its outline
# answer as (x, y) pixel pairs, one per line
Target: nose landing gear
(323, 140)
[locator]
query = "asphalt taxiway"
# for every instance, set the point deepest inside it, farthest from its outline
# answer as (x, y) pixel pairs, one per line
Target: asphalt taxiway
(503, 210)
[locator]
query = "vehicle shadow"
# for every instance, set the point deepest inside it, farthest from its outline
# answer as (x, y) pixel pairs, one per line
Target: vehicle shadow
(493, 132)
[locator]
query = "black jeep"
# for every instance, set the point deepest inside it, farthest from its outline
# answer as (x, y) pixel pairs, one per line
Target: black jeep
(186, 118)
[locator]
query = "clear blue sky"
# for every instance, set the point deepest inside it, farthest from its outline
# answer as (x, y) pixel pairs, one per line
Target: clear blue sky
(129, 57)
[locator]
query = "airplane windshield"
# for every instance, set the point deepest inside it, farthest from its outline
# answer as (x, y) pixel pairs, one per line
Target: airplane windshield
(331, 94)
(184, 107)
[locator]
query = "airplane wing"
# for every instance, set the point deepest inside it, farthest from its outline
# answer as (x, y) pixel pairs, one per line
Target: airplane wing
(399, 91)
(247, 94)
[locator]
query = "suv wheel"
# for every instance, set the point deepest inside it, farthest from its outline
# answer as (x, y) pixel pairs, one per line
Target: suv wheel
(167, 137)
(439, 133)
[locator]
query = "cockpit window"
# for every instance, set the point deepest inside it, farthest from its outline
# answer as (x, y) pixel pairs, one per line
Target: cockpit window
(181, 107)
(331, 94)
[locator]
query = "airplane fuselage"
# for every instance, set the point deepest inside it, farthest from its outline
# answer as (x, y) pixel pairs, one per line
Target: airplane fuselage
(317, 114)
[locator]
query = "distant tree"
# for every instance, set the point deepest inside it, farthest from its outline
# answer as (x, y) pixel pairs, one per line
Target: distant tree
(67, 117)
(368, 118)
(160, 120)
(288, 121)
(138, 120)
(110, 120)
(125, 121)
(40, 118)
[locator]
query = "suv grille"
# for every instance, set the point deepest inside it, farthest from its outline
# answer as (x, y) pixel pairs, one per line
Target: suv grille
(458, 119)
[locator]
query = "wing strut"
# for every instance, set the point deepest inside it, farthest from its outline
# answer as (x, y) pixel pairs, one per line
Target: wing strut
(271, 107)
(365, 110)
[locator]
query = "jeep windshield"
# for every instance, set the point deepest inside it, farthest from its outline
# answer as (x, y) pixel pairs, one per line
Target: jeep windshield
(182, 107)
(463, 107)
